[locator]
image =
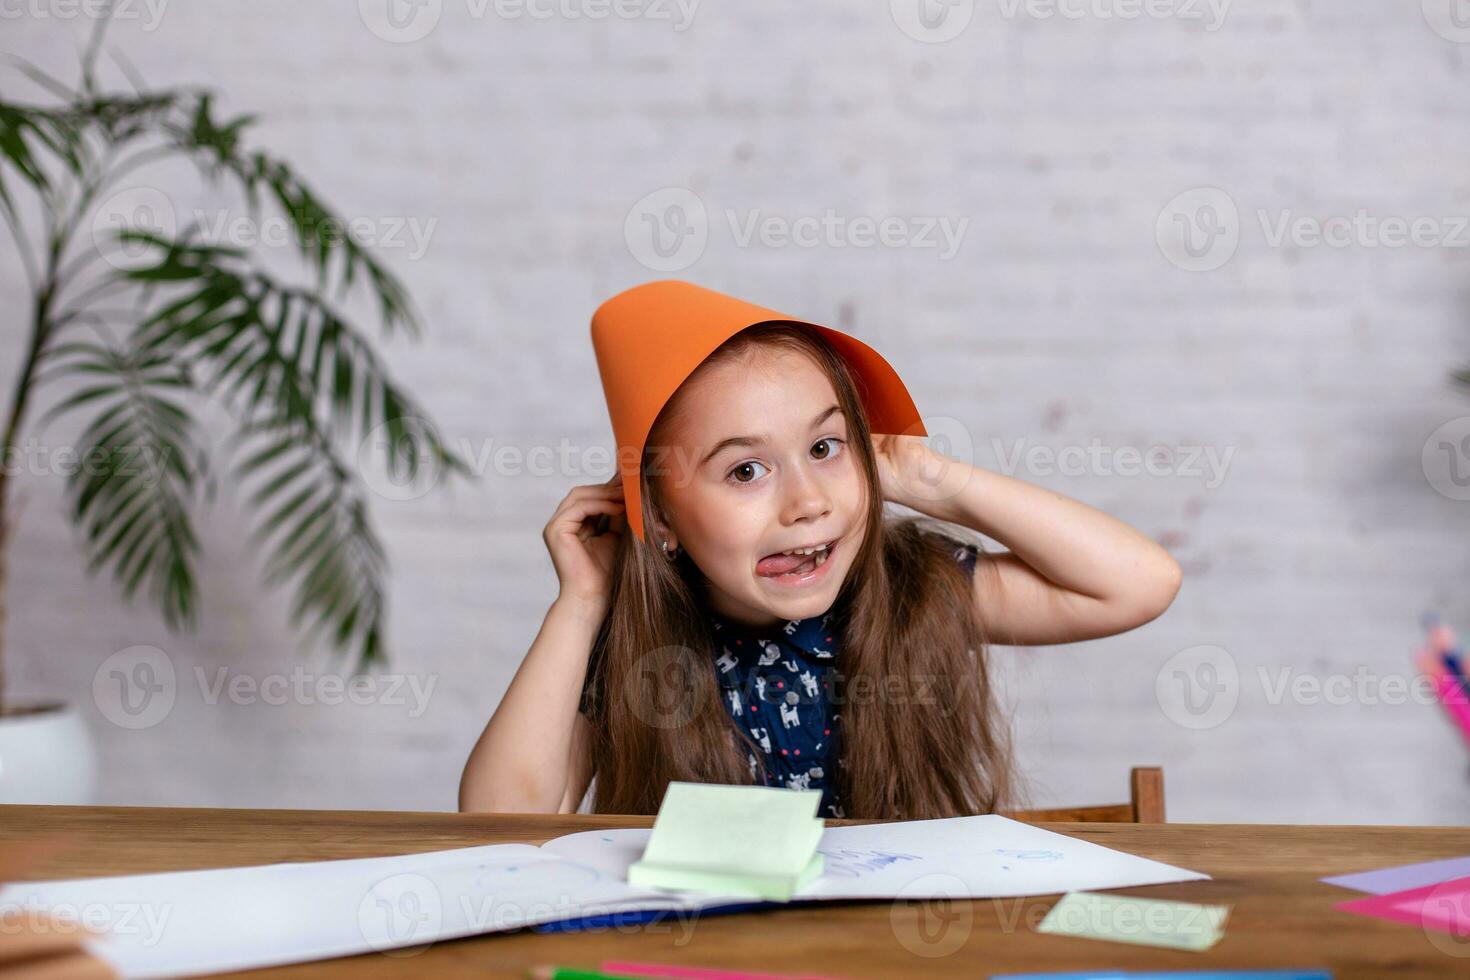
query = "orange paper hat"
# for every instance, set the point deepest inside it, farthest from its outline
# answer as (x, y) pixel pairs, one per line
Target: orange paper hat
(648, 339)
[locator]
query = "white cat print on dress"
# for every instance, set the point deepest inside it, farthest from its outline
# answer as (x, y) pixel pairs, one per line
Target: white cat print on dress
(809, 683)
(760, 735)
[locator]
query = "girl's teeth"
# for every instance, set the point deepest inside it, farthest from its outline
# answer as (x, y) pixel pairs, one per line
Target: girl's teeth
(815, 564)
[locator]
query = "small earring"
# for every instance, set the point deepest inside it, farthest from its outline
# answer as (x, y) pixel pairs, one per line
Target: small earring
(666, 549)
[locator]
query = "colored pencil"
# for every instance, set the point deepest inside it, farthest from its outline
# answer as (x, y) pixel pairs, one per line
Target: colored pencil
(668, 971)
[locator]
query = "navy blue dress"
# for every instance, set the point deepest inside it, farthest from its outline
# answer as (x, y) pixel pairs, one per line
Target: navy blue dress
(775, 683)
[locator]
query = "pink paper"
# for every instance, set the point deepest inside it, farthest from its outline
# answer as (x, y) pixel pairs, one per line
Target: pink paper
(1452, 696)
(1381, 881)
(1444, 907)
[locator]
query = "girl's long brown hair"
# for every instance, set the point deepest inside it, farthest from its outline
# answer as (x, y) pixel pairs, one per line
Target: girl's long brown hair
(921, 733)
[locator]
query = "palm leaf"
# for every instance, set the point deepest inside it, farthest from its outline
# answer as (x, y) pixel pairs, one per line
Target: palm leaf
(297, 374)
(312, 521)
(320, 234)
(302, 380)
(139, 465)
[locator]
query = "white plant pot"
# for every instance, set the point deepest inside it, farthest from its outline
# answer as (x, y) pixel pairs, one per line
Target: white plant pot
(46, 755)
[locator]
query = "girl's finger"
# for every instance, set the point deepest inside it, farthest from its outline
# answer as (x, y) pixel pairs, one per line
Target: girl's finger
(590, 505)
(593, 490)
(599, 524)
(574, 514)
(582, 495)
(599, 491)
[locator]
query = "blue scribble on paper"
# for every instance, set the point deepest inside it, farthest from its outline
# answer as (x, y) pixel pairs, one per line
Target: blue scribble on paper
(854, 862)
(1032, 855)
(488, 873)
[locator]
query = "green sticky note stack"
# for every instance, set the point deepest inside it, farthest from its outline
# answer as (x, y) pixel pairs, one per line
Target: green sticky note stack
(1145, 921)
(756, 841)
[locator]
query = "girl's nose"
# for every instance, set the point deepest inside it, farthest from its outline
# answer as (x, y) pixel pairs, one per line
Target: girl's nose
(806, 498)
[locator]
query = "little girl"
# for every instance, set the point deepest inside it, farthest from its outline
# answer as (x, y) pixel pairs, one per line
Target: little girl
(765, 622)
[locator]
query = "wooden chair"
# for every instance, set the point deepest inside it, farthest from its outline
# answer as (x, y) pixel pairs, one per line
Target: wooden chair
(1146, 805)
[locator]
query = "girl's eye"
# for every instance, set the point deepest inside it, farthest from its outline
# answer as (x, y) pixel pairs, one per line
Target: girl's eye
(735, 475)
(830, 453)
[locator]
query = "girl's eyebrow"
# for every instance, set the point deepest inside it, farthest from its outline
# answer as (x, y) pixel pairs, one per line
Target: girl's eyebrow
(724, 444)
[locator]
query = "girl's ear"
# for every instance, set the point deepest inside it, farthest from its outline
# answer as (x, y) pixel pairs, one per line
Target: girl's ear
(664, 540)
(660, 537)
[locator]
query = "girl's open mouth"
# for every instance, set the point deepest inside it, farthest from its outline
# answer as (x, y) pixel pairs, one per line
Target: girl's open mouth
(797, 569)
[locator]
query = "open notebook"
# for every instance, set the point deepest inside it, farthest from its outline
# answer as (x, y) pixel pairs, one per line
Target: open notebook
(194, 922)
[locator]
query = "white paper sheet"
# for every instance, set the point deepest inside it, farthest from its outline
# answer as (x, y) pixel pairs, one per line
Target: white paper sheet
(188, 923)
(198, 922)
(986, 856)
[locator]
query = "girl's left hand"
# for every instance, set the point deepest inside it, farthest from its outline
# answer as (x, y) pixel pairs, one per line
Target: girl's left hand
(914, 475)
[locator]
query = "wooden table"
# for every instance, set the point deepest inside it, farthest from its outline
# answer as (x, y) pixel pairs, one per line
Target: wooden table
(1282, 915)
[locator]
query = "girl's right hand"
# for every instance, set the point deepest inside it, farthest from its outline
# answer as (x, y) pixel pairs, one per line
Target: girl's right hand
(582, 552)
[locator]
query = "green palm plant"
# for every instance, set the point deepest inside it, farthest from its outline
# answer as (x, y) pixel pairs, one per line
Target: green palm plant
(144, 343)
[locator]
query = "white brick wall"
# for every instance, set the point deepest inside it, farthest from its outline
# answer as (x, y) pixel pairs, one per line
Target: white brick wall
(1059, 321)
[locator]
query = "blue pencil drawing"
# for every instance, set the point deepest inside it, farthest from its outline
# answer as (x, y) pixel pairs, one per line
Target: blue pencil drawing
(1024, 855)
(489, 875)
(849, 862)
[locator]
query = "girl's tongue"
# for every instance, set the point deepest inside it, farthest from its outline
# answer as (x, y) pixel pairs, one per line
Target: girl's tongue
(773, 565)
